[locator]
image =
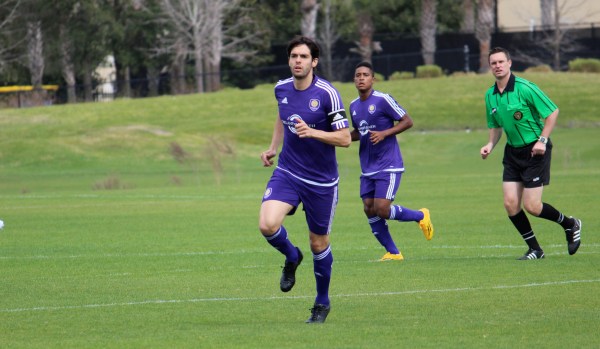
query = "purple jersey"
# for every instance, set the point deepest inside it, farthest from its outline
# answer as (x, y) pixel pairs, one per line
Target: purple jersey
(321, 107)
(377, 113)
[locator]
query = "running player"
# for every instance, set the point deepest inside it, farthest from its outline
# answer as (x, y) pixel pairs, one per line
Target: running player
(377, 119)
(311, 123)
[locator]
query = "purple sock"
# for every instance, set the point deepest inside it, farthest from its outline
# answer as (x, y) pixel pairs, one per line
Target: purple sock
(322, 263)
(404, 214)
(280, 241)
(381, 232)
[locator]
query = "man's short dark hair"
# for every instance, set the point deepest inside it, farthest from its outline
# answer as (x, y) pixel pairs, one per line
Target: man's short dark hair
(303, 40)
(366, 64)
(498, 50)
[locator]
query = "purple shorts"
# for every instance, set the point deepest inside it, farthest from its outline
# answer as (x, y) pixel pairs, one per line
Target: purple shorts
(318, 202)
(382, 185)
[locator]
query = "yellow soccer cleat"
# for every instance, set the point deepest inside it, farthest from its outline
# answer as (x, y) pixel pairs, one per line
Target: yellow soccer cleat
(392, 257)
(426, 225)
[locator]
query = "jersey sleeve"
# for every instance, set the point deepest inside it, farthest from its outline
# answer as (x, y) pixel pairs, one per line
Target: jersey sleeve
(393, 109)
(338, 120)
(490, 111)
(537, 100)
(336, 115)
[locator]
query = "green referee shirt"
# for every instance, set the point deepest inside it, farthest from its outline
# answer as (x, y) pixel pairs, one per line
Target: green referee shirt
(519, 110)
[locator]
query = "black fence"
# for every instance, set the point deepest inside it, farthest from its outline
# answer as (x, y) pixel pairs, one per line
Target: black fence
(455, 52)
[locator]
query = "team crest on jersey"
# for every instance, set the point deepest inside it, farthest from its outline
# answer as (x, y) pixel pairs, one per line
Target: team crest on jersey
(372, 108)
(518, 115)
(314, 104)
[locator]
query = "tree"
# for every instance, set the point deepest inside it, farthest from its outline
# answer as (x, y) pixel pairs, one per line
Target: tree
(309, 9)
(328, 36)
(365, 45)
(9, 11)
(133, 41)
(427, 30)
(68, 67)
(547, 10)
(189, 20)
(35, 53)
(467, 24)
(211, 31)
(555, 40)
(79, 32)
(483, 31)
(237, 36)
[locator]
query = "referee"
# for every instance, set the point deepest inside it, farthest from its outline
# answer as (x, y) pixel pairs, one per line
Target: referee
(527, 116)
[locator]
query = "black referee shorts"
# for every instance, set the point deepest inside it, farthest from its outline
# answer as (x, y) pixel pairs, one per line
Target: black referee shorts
(520, 166)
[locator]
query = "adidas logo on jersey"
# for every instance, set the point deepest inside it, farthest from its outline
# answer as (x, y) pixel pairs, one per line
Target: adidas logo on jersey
(284, 100)
(337, 117)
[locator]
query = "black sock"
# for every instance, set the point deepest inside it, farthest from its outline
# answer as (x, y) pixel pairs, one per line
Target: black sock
(521, 222)
(552, 214)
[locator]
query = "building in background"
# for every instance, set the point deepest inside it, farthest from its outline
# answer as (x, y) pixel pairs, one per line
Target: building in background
(525, 15)
(106, 76)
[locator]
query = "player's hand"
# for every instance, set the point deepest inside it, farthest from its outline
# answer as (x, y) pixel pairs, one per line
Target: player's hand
(267, 157)
(539, 148)
(485, 151)
(302, 129)
(376, 136)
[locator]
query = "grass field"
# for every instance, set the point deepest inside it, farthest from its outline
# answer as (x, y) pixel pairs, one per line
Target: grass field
(115, 240)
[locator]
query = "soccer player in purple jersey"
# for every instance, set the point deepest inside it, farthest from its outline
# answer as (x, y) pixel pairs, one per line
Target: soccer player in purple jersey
(311, 123)
(377, 119)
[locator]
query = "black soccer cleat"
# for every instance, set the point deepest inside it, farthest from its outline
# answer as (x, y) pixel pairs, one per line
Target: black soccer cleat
(532, 254)
(288, 275)
(574, 236)
(318, 314)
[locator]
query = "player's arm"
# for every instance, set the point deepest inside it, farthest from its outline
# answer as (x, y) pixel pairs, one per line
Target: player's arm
(339, 137)
(494, 136)
(268, 155)
(354, 134)
(539, 148)
(549, 123)
(404, 124)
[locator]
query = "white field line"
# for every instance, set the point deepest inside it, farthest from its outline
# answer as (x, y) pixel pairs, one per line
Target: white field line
(348, 295)
(270, 250)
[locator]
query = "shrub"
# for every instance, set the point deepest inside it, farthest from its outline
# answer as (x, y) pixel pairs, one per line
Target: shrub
(543, 68)
(429, 71)
(585, 65)
(379, 77)
(401, 75)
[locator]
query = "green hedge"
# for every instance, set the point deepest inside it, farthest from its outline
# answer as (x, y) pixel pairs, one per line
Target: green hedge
(429, 71)
(401, 75)
(585, 65)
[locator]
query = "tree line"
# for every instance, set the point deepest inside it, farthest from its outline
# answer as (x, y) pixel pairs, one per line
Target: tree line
(194, 41)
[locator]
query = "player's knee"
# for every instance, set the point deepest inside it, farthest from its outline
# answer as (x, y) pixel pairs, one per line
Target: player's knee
(533, 208)
(319, 244)
(382, 211)
(267, 229)
(511, 205)
(369, 211)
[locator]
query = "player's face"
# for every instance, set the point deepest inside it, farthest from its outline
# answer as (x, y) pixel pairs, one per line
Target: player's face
(363, 79)
(500, 65)
(301, 62)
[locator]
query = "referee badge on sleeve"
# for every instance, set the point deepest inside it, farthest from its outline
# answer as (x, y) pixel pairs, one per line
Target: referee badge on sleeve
(518, 115)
